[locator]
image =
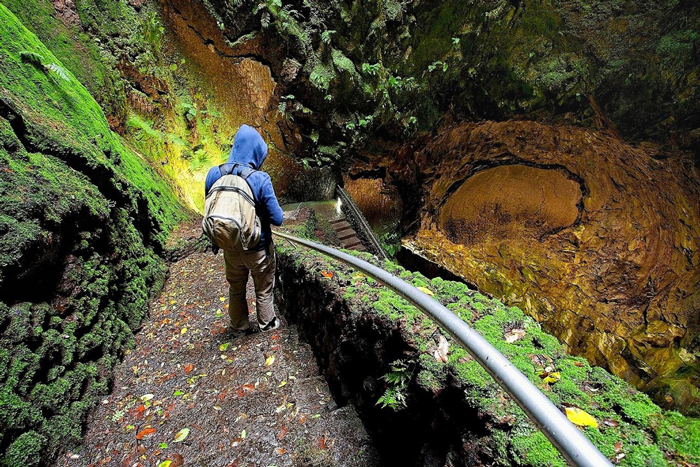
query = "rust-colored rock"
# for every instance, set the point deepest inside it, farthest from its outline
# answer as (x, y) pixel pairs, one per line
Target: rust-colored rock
(597, 239)
(510, 201)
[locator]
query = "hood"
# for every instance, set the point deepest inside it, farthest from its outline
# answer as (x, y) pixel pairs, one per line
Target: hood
(248, 148)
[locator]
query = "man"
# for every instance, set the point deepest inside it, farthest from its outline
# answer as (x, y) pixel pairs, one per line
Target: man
(249, 150)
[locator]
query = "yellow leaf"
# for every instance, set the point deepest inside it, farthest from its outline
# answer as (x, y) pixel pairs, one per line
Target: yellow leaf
(426, 291)
(184, 330)
(223, 347)
(146, 397)
(243, 434)
(222, 299)
(181, 435)
(270, 360)
(165, 463)
(580, 417)
(281, 384)
(552, 378)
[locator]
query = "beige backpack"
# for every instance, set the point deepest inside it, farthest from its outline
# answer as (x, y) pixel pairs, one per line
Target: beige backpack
(230, 220)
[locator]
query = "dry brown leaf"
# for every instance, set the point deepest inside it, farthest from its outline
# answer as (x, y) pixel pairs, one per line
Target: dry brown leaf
(514, 335)
(145, 432)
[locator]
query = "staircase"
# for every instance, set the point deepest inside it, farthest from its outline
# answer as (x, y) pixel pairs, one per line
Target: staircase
(347, 235)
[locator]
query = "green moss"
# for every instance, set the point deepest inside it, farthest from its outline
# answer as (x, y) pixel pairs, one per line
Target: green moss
(25, 450)
(343, 63)
(321, 76)
(678, 434)
(72, 196)
(531, 447)
(395, 307)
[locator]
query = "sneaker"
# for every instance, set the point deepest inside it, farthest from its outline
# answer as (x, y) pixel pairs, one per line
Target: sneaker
(272, 325)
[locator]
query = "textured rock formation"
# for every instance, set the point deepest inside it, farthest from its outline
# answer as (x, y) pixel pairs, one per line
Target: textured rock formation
(597, 239)
(82, 219)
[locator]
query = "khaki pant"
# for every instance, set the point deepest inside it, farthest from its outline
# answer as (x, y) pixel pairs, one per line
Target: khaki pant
(261, 265)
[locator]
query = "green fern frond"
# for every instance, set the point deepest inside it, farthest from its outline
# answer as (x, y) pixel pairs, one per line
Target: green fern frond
(58, 70)
(32, 57)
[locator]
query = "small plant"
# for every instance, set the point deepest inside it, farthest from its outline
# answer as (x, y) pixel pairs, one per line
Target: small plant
(326, 36)
(153, 31)
(38, 61)
(433, 66)
(371, 70)
(397, 381)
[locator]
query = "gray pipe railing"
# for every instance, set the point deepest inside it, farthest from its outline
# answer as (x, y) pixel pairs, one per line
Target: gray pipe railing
(569, 440)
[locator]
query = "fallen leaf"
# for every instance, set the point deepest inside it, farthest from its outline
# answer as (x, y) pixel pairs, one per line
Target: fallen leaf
(177, 459)
(610, 422)
(618, 446)
(281, 450)
(223, 347)
(188, 368)
(578, 364)
(580, 417)
(177, 393)
(243, 434)
(327, 274)
(184, 330)
(514, 335)
(552, 378)
(146, 397)
(222, 299)
(270, 360)
(181, 435)
(281, 384)
(442, 350)
(145, 432)
(323, 441)
(165, 463)
(283, 432)
(426, 291)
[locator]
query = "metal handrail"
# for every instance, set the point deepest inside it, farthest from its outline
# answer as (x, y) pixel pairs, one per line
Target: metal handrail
(362, 222)
(576, 448)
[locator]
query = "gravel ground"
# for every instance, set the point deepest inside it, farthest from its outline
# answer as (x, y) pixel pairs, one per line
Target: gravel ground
(190, 394)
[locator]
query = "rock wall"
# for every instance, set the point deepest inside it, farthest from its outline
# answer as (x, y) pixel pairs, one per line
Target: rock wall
(393, 68)
(82, 220)
(597, 239)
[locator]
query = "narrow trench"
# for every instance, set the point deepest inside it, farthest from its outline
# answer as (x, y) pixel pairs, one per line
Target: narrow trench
(354, 351)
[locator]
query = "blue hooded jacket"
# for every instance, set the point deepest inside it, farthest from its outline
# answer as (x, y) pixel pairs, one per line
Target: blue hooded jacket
(249, 150)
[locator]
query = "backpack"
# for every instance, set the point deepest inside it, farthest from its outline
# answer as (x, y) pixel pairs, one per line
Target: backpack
(230, 220)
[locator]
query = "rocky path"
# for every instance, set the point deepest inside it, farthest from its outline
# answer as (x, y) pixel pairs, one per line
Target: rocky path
(189, 394)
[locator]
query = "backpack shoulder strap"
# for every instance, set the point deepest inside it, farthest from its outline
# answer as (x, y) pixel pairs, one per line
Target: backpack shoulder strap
(246, 172)
(224, 170)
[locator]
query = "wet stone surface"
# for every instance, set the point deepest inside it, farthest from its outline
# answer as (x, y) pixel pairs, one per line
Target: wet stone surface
(256, 400)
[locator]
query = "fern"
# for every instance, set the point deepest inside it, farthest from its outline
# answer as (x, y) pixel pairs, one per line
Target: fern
(33, 58)
(58, 70)
(397, 382)
(326, 36)
(38, 61)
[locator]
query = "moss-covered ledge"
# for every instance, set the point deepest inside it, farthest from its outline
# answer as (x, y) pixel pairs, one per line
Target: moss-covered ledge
(381, 354)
